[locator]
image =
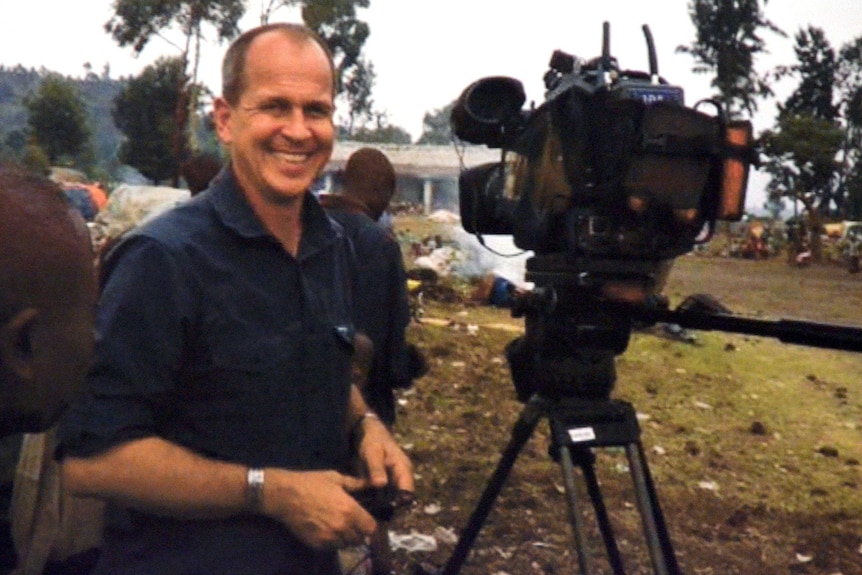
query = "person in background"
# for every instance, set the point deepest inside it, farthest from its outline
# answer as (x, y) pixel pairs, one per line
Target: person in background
(218, 418)
(199, 170)
(381, 303)
(47, 300)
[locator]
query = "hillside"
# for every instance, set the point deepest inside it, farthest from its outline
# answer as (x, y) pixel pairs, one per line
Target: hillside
(98, 93)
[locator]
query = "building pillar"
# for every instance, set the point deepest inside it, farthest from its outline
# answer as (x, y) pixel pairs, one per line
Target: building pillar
(427, 194)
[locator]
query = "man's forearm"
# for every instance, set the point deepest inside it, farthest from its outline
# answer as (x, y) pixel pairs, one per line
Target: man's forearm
(160, 477)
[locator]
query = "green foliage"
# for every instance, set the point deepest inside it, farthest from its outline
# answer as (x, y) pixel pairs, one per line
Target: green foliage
(17, 83)
(801, 156)
(36, 160)
(816, 67)
(812, 100)
(853, 201)
(57, 118)
(336, 22)
(144, 112)
(801, 162)
(849, 89)
(382, 134)
(357, 86)
(436, 128)
(726, 45)
(135, 22)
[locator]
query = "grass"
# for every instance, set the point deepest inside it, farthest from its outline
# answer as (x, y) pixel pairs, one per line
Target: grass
(755, 445)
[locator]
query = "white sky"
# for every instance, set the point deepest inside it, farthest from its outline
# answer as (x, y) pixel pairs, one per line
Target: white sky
(426, 51)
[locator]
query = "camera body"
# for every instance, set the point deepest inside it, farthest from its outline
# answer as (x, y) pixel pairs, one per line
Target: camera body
(607, 181)
(612, 166)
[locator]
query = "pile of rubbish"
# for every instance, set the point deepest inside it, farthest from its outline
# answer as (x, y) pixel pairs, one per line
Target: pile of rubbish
(131, 205)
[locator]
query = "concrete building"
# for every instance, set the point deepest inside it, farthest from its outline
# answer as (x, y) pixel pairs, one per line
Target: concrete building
(427, 175)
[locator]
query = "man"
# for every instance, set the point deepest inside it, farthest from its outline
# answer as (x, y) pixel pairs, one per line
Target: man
(216, 414)
(382, 307)
(47, 297)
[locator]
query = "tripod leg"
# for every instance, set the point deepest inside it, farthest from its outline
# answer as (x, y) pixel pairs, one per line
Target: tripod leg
(523, 429)
(655, 528)
(574, 517)
(614, 556)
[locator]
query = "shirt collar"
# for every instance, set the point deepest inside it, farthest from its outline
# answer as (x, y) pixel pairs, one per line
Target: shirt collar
(237, 214)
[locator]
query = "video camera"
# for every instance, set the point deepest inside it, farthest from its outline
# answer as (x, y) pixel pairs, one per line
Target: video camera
(612, 166)
(607, 181)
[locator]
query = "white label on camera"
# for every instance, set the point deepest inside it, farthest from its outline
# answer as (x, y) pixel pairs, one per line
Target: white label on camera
(581, 434)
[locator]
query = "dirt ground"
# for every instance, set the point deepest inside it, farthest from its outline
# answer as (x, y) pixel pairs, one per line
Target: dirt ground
(782, 507)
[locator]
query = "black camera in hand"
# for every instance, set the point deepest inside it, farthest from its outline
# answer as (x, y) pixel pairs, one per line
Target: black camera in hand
(383, 502)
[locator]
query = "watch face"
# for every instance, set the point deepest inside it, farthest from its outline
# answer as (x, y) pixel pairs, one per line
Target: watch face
(254, 488)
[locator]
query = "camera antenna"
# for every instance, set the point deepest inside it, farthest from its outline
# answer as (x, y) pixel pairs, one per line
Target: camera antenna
(606, 52)
(653, 60)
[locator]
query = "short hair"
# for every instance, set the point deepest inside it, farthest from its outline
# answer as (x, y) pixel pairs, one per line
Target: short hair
(370, 178)
(233, 64)
(41, 255)
(199, 170)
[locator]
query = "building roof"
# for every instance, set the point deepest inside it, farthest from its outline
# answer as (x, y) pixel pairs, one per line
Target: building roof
(424, 161)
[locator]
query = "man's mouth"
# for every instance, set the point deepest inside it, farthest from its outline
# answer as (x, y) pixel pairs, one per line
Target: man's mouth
(292, 157)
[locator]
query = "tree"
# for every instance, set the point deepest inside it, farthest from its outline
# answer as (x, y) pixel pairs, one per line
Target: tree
(381, 132)
(816, 67)
(801, 161)
(726, 45)
(57, 118)
(336, 22)
(436, 128)
(135, 22)
(144, 111)
(849, 89)
(357, 86)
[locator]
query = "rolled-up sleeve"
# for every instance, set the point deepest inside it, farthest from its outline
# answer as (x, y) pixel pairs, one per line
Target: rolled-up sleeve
(142, 320)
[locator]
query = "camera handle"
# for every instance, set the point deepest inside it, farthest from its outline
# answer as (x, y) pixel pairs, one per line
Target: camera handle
(577, 427)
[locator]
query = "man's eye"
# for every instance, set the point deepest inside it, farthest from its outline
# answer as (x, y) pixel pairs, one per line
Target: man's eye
(275, 108)
(318, 112)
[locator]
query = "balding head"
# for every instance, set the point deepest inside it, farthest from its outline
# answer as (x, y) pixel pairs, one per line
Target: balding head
(369, 178)
(47, 296)
(234, 62)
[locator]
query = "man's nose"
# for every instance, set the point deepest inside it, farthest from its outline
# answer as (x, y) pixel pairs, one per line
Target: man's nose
(296, 125)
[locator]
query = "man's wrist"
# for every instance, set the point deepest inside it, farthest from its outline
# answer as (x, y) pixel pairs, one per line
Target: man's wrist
(254, 482)
(357, 425)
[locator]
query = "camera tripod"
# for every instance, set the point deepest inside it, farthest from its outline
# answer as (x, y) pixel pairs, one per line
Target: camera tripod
(578, 426)
(563, 369)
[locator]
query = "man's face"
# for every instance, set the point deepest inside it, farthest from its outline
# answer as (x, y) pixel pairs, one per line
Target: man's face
(59, 342)
(280, 133)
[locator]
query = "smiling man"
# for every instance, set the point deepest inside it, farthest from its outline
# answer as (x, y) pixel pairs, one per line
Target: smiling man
(219, 414)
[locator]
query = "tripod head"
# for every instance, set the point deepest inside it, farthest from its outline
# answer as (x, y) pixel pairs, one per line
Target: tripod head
(581, 312)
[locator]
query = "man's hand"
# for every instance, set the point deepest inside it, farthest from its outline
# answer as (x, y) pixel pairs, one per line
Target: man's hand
(384, 460)
(316, 506)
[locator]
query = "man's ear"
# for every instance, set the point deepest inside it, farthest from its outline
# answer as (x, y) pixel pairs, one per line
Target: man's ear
(221, 116)
(16, 343)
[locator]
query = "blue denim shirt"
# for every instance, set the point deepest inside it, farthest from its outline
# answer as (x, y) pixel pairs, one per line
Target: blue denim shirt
(212, 336)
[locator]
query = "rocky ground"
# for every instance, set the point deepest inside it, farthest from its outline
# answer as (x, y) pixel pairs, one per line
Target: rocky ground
(754, 444)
